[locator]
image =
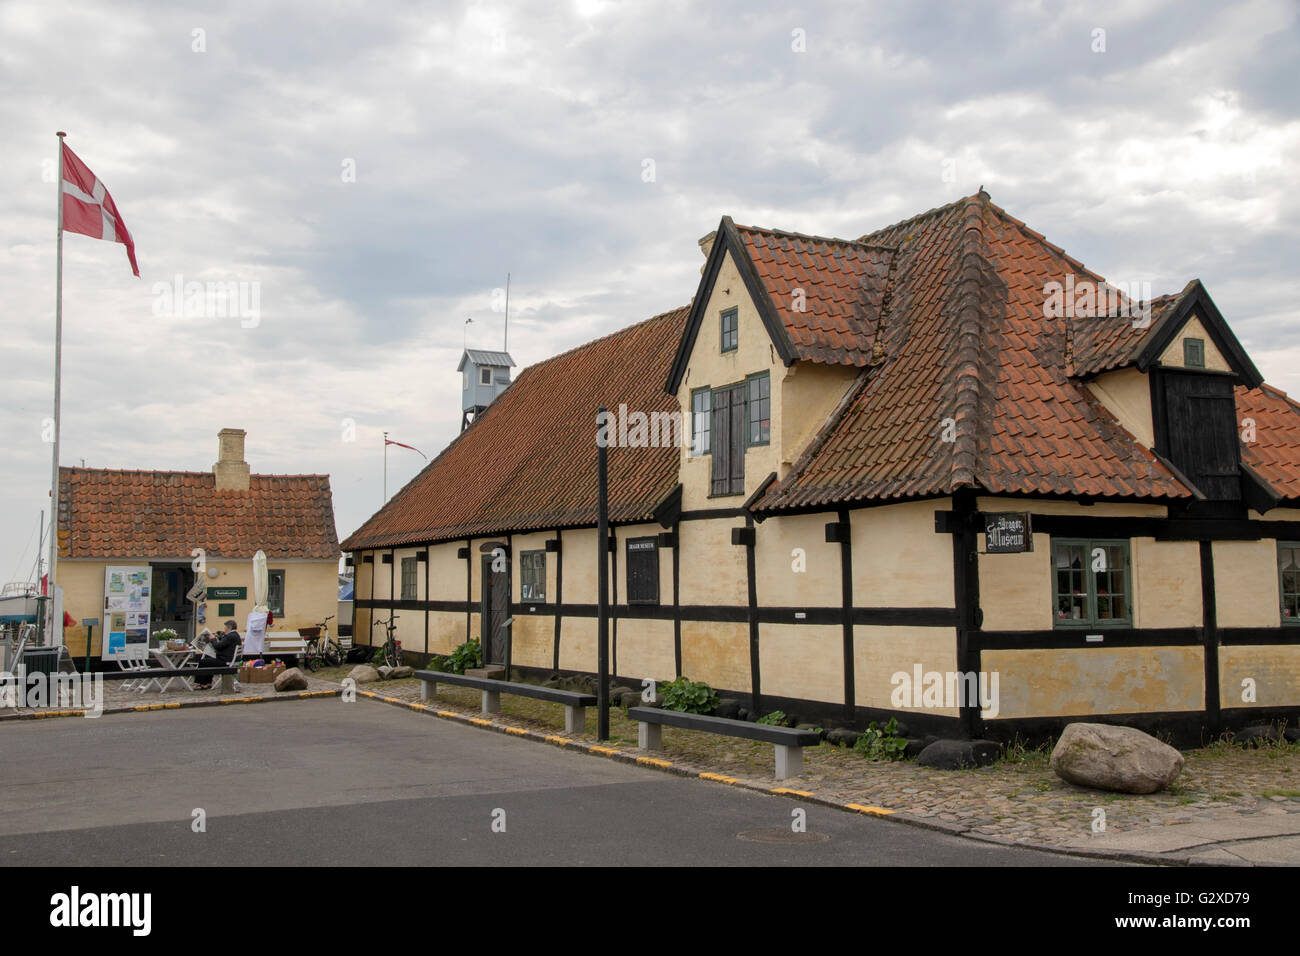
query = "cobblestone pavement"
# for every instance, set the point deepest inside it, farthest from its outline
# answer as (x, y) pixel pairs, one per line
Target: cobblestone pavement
(1018, 800)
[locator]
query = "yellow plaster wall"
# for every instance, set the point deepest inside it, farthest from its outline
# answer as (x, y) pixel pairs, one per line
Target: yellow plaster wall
(779, 584)
(1126, 394)
(881, 652)
(809, 393)
(1275, 670)
(1114, 680)
(1245, 583)
(717, 653)
(898, 559)
(1193, 329)
(1016, 589)
(645, 650)
(710, 366)
(712, 568)
(801, 660)
(1166, 583)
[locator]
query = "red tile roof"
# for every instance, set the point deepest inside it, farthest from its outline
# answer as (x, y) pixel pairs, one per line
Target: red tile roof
(107, 513)
(973, 390)
(828, 293)
(529, 461)
(1274, 453)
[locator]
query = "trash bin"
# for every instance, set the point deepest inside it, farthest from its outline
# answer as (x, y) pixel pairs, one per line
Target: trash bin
(41, 660)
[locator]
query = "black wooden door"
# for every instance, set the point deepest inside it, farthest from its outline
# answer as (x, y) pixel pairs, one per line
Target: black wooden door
(496, 608)
(1201, 423)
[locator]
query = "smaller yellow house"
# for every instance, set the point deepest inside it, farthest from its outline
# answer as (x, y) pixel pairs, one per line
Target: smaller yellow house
(136, 548)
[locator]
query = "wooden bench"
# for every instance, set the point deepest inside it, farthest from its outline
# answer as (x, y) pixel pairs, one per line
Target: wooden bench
(789, 742)
(575, 704)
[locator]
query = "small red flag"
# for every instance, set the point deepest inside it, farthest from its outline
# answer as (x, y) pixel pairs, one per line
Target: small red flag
(389, 441)
(88, 209)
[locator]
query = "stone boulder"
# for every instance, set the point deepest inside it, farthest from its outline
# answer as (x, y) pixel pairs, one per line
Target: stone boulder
(727, 707)
(401, 671)
(364, 674)
(291, 679)
(843, 736)
(1122, 759)
(958, 754)
(385, 672)
(1257, 735)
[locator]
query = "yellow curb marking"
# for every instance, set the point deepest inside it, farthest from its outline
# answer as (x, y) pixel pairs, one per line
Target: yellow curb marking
(787, 790)
(447, 713)
(872, 811)
(607, 751)
(718, 777)
(172, 705)
(652, 762)
(517, 730)
(479, 721)
(552, 739)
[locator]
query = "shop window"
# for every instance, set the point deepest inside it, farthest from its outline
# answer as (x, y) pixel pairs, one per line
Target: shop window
(730, 330)
(410, 568)
(642, 571)
(1288, 570)
(275, 592)
(532, 575)
(1092, 583)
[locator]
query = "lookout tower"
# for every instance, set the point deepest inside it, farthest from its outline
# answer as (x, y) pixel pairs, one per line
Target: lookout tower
(485, 375)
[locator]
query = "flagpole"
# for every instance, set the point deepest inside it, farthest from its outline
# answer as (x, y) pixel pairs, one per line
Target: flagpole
(58, 376)
(385, 467)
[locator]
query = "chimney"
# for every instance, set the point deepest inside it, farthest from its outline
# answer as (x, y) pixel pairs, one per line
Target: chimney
(706, 246)
(231, 471)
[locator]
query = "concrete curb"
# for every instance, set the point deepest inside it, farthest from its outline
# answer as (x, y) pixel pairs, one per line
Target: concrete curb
(806, 796)
(171, 705)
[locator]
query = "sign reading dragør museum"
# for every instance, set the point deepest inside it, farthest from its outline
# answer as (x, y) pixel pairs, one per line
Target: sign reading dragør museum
(1008, 533)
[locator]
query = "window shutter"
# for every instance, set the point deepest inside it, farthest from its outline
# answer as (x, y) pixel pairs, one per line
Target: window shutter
(736, 441)
(721, 441)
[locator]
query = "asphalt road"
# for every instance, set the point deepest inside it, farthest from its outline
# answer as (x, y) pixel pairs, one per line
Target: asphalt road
(325, 782)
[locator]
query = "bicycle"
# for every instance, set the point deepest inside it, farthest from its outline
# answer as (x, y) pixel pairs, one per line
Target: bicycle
(392, 649)
(321, 651)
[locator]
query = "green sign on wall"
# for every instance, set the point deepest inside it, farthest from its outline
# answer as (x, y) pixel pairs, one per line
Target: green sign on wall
(237, 594)
(225, 610)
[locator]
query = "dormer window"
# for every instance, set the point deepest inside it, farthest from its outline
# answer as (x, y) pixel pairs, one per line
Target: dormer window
(485, 376)
(730, 330)
(1194, 353)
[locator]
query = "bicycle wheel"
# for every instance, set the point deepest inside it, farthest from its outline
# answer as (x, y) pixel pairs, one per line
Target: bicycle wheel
(333, 654)
(392, 656)
(313, 662)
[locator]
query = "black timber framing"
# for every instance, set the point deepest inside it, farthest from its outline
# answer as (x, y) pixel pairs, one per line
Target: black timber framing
(1210, 630)
(846, 612)
(751, 614)
(427, 562)
(469, 588)
(966, 593)
(559, 592)
(677, 600)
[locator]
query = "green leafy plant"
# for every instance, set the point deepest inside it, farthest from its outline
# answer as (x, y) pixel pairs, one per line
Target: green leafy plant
(464, 657)
(688, 696)
(881, 743)
(776, 718)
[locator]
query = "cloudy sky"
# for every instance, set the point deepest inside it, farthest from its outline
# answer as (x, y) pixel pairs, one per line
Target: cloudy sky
(377, 169)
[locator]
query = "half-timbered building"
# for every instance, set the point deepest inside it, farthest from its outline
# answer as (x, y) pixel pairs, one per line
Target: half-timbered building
(941, 450)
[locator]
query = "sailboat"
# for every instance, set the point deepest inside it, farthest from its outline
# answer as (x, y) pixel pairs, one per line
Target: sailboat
(18, 603)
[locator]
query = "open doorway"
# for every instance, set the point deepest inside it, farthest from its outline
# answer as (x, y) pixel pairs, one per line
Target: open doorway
(171, 582)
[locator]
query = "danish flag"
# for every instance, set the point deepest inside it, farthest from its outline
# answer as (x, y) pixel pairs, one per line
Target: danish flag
(89, 209)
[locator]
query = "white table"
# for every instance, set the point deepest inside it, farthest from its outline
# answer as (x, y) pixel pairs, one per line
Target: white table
(168, 659)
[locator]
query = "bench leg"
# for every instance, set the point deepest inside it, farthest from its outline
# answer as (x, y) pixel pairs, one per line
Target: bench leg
(575, 719)
(227, 683)
(649, 736)
(491, 701)
(428, 690)
(789, 761)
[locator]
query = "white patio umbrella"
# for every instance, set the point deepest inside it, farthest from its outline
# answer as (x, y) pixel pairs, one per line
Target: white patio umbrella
(261, 581)
(255, 630)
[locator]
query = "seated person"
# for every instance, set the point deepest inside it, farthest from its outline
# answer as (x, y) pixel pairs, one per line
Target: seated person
(223, 647)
